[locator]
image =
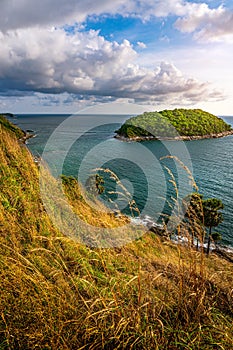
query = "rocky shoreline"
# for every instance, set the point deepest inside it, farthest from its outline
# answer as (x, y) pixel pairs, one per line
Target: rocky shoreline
(26, 136)
(176, 138)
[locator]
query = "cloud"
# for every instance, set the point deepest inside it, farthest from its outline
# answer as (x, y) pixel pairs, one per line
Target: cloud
(198, 18)
(141, 45)
(17, 14)
(51, 61)
(26, 13)
(207, 24)
(164, 38)
(39, 57)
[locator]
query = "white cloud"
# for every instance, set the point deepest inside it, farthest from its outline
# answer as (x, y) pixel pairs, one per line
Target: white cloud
(38, 57)
(17, 14)
(45, 61)
(164, 39)
(207, 24)
(30, 13)
(141, 45)
(27, 13)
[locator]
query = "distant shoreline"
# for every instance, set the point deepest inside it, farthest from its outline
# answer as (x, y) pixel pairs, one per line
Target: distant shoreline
(176, 138)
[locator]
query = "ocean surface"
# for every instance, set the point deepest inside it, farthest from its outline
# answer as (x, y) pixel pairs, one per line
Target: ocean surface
(78, 145)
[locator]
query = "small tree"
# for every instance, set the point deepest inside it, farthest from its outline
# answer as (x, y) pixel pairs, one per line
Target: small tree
(216, 237)
(192, 206)
(95, 184)
(212, 215)
(203, 213)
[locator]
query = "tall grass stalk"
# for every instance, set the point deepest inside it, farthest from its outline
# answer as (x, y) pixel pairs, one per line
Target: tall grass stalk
(58, 294)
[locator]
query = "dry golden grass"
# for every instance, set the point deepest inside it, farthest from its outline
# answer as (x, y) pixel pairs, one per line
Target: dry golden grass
(58, 294)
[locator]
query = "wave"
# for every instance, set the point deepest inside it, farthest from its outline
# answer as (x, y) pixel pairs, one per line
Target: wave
(148, 222)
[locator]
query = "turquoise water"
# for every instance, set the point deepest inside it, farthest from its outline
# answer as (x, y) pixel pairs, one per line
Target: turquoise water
(139, 167)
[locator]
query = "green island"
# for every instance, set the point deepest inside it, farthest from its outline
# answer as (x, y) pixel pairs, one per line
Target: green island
(177, 124)
(57, 293)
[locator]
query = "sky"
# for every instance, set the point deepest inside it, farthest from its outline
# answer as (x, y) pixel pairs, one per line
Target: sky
(66, 55)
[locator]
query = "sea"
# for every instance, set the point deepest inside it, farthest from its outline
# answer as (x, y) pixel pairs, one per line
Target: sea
(148, 175)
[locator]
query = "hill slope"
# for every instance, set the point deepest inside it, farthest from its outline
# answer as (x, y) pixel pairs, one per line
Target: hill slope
(177, 123)
(58, 294)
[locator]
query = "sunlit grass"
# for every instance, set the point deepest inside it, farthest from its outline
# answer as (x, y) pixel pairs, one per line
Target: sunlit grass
(60, 294)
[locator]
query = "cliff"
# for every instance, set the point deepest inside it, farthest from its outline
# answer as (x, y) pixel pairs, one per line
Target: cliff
(59, 294)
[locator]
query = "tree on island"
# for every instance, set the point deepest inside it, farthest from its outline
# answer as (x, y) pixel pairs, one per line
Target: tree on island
(173, 123)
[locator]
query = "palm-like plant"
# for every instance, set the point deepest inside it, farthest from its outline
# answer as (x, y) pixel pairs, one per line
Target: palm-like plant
(192, 206)
(203, 213)
(212, 215)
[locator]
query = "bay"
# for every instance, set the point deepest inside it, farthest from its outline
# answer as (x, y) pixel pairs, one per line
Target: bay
(211, 160)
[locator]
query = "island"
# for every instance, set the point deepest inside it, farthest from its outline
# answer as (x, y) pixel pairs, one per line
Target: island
(177, 124)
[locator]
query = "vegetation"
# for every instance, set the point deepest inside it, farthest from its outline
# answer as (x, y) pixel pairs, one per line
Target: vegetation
(203, 213)
(11, 127)
(60, 294)
(212, 216)
(95, 184)
(171, 123)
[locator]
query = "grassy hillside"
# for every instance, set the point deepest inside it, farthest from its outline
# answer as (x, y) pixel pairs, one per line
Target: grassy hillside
(15, 130)
(58, 294)
(170, 123)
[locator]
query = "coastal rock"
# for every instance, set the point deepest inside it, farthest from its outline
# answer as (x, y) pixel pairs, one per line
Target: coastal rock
(176, 138)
